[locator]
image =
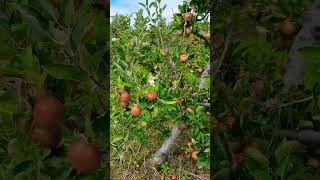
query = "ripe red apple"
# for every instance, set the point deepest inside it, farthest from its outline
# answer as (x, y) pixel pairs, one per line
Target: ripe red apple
(136, 110)
(152, 95)
(46, 137)
(188, 17)
(125, 96)
(48, 111)
(183, 58)
(173, 177)
(83, 155)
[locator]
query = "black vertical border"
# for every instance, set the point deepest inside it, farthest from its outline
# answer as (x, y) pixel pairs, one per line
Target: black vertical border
(213, 7)
(107, 83)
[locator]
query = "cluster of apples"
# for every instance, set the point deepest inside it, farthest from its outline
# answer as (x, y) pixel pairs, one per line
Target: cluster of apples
(187, 31)
(135, 109)
(45, 131)
(182, 57)
(47, 114)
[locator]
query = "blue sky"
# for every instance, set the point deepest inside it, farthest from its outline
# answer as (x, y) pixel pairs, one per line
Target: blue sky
(131, 6)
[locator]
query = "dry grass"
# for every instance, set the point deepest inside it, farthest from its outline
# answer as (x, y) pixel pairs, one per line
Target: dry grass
(180, 164)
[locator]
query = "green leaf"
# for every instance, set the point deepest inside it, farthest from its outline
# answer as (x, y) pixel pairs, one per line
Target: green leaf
(60, 36)
(6, 51)
(169, 102)
(6, 44)
(152, 4)
(6, 70)
(142, 4)
(261, 175)
(92, 61)
(257, 156)
(223, 174)
(19, 31)
(164, 7)
(117, 138)
(48, 8)
(8, 103)
(305, 124)
(286, 148)
(23, 166)
(311, 76)
(207, 82)
(316, 117)
(65, 72)
(202, 163)
(13, 148)
(37, 31)
(77, 33)
(310, 54)
(101, 30)
(68, 13)
(27, 59)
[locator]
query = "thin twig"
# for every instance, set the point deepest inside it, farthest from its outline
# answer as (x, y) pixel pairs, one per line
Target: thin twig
(177, 84)
(198, 94)
(92, 77)
(170, 62)
(296, 102)
(207, 105)
(197, 176)
(223, 56)
(272, 105)
(207, 69)
(203, 16)
(71, 58)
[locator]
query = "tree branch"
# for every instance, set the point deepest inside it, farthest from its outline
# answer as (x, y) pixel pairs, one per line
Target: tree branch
(203, 16)
(272, 105)
(166, 146)
(223, 56)
(206, 105)
(201, 36)
(204, 73)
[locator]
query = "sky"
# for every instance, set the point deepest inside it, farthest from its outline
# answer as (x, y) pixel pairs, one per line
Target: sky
(132, 6)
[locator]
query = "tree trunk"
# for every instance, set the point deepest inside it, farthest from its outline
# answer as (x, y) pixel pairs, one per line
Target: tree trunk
(296, 67)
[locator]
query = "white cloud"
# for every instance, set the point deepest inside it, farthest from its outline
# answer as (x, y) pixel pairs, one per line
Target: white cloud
(130, 6)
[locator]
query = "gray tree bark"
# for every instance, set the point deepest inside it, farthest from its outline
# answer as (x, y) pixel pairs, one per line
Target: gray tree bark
(307, 36)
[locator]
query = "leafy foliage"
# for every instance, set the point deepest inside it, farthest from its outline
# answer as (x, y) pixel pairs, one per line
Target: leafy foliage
(58, 46)
(250, 90)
